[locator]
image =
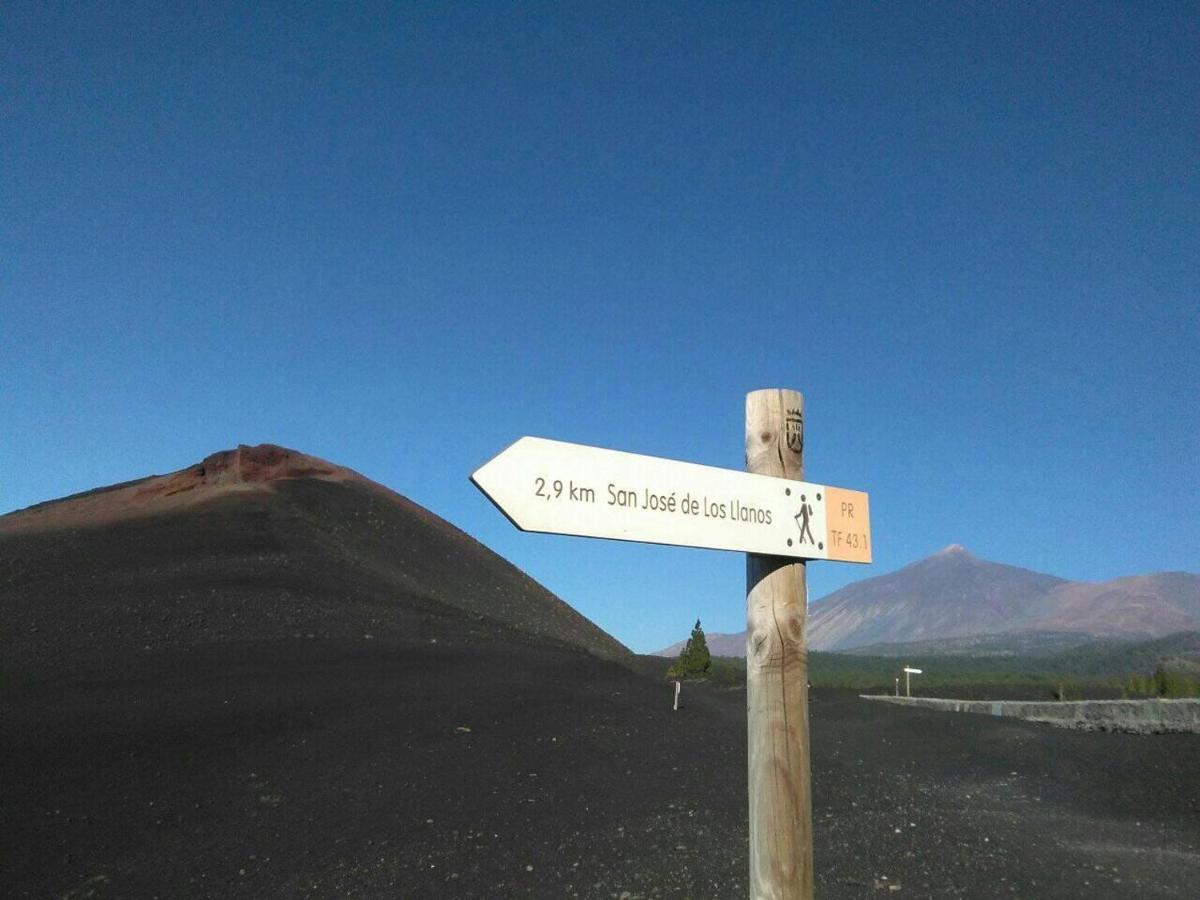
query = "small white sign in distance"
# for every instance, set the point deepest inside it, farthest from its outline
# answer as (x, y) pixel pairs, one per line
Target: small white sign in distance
(560, 488)
(912, 671)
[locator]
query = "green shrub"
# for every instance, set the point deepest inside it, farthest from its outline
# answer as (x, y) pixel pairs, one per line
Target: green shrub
(1171, 683)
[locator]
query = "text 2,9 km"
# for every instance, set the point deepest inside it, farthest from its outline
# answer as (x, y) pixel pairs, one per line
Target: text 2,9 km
(555, 490)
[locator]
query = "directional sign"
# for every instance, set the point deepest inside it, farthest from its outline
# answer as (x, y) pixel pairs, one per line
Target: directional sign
(912, 671)
(560, 488)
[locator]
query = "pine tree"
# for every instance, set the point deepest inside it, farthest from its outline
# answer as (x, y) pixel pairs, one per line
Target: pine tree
(695, 660)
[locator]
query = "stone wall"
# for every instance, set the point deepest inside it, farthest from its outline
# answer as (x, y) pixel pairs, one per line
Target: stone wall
(1135, 716)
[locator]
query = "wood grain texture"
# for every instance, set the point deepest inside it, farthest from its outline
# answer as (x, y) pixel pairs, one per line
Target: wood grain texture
(777, 673)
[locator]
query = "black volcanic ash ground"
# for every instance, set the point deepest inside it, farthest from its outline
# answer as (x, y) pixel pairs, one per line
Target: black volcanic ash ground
(352, 769)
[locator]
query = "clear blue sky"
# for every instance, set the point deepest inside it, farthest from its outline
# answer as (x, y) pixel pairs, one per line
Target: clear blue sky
(401, 236)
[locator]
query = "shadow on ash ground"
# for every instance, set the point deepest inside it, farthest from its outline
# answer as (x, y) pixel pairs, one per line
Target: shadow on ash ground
(355, 768)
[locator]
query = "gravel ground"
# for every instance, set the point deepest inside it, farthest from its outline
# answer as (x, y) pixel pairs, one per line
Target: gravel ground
(495, 768)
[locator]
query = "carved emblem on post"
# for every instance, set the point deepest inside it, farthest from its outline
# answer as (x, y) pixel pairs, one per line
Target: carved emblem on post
(794, 430)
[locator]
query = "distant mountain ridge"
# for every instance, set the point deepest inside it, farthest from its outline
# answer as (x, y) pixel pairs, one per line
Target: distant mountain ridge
(718, 645)
(1005, 643)
(958, 599)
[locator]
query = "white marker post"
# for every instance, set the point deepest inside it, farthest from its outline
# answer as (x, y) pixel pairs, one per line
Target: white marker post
(676, 706)
(908, 672)
(765, 512)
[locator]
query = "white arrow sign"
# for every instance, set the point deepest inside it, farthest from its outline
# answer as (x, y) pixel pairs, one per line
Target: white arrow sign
(560, 488)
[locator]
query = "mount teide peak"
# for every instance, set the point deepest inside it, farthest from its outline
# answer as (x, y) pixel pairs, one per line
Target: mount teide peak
(949, 594)
(259, 543)
(955, 594)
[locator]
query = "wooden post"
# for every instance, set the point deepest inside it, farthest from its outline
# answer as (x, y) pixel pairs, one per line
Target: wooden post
(777, 671)
(907, 686)
(676, 706)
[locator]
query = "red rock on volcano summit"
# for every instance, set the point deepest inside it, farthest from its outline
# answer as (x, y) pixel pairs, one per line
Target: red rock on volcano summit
(246, 468)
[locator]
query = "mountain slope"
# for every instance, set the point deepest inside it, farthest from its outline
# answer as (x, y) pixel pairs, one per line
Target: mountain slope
(258, 542)
(1139, 605)
(949, 594)
(954, 602)
(954, 594)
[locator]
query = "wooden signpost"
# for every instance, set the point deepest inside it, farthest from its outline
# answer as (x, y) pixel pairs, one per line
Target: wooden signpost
(767, 512)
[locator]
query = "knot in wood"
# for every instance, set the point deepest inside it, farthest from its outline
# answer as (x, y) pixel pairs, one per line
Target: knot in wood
(760, 644)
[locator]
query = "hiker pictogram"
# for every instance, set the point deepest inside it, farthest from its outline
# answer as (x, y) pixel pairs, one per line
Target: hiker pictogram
(802, 518)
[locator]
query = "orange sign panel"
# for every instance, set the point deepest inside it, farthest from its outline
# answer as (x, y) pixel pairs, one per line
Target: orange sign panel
(847, 525)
